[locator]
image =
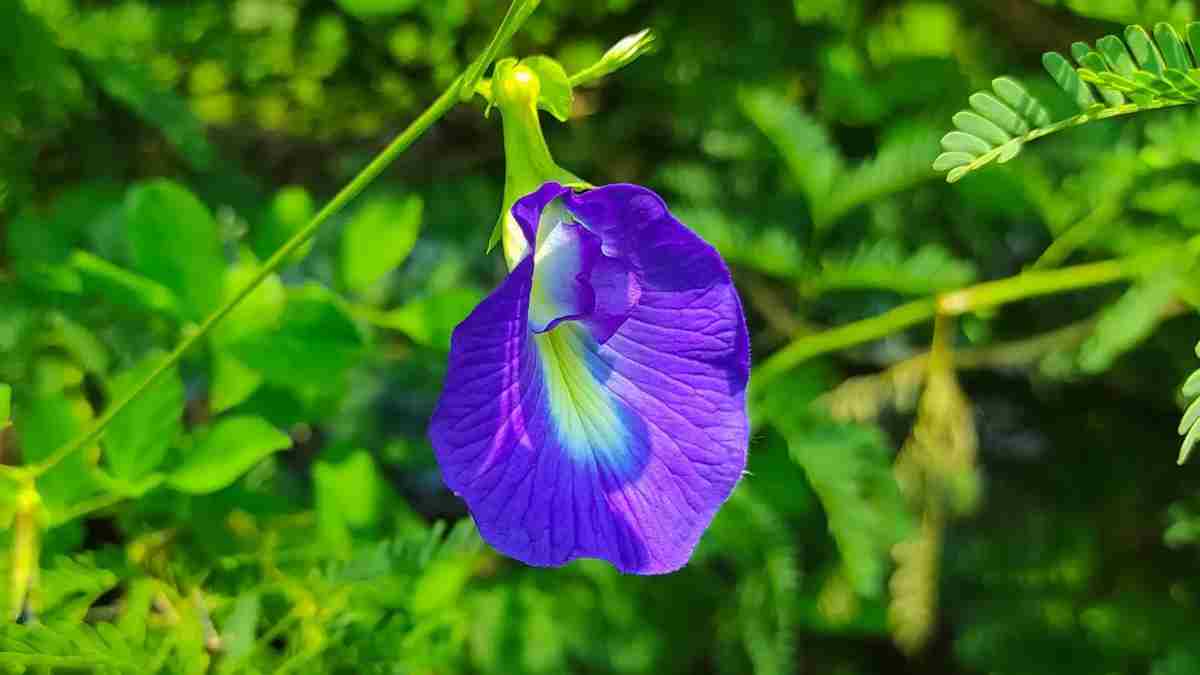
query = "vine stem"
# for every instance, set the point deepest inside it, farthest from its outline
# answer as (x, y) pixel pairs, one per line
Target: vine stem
(447, 100)
(981, 296)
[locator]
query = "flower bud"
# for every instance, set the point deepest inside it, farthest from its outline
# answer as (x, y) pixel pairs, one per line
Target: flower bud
(528, 164)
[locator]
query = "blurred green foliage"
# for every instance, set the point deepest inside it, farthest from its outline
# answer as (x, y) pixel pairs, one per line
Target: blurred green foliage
(993, 496)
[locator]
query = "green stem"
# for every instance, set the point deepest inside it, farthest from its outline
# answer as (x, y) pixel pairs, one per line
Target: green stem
(518, 12)
(1079, 233)
(364, 178)
(982, 296)
(851, 334)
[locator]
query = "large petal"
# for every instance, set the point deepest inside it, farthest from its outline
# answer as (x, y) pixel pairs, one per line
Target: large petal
(565, 446)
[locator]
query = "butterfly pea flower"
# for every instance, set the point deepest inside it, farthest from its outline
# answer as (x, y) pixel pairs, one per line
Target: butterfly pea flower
(594, 403)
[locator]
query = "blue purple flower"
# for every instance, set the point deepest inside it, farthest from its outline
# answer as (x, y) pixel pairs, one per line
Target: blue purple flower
(594, 404)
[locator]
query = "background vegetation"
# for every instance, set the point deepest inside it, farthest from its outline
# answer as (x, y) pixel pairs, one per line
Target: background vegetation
(981, 480)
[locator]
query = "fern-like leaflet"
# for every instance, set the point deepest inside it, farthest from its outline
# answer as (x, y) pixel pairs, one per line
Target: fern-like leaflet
(1117, 77)
(1189, 426)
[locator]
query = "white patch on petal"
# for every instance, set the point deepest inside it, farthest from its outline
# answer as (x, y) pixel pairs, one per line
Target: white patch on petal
(557, 261)
(586, 416)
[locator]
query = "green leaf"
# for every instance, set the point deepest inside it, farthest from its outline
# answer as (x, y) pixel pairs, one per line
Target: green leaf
(258, 315)
(1068, 80)
(347, 493)
(77, 340)
(378, 239)
(71, 647)
(903, 162)
(885, 265)
(239, 630)
(291, 209)
(260, 312)
(175, 242)
(233, 382)
(5, 406)
(136, 441)
(431, 319)
(849, 467)
(47, 423)
(555, 95)
(315, 344)
(114, 284)
(1174, 50)
(231, 448)
(801, 140)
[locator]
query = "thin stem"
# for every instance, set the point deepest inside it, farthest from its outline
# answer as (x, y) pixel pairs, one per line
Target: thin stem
(1078, 234)
(463, 87)
(401, 143)
(1034, 283)
(858, 332)
(981, 296)
(518, 12)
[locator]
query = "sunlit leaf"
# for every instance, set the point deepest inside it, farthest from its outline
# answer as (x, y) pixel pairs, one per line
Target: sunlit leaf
(378, 238)
(226, 451)
(175, 242)
(136, 441)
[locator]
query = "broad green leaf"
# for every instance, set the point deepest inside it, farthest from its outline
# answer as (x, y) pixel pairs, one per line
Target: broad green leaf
(136, 441)
(259, 312)
(347, 494)
(47, 423)
(555, 96)
(117, 285)
(175, 242)
(233, 382)
(315, 344)
(256, 317)
(431, 319)
(226, 451)
(378, 239)
(291, 209)
(80, 342)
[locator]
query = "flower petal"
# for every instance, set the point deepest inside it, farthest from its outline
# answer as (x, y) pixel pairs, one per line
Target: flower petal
(616, 436)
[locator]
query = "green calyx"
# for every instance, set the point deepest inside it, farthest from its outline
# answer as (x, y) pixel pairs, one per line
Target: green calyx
(517, 88)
